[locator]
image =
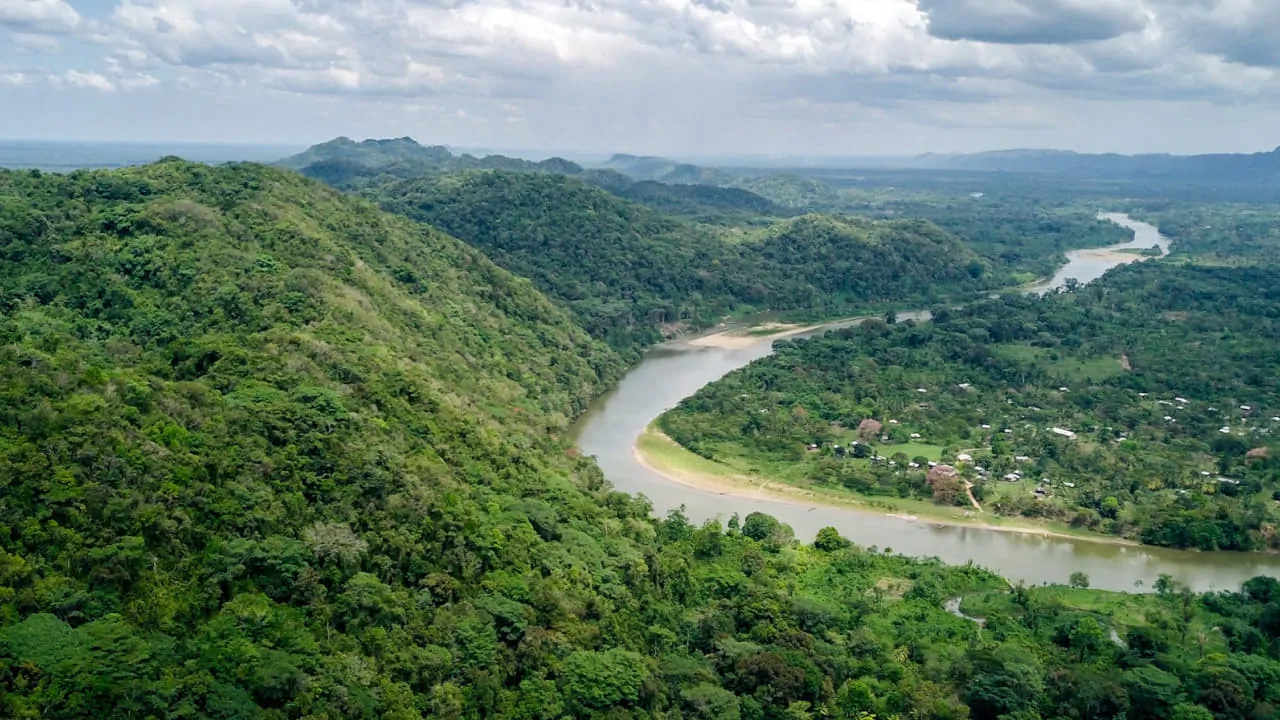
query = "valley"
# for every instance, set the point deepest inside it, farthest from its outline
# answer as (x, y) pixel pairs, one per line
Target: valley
(271, 449)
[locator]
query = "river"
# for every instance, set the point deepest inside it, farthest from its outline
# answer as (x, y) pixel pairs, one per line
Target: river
(673, 371)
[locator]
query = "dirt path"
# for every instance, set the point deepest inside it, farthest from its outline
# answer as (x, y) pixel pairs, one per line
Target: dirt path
(968, 490)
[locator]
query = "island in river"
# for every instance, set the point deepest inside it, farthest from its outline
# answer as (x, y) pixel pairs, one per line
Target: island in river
(677, 370)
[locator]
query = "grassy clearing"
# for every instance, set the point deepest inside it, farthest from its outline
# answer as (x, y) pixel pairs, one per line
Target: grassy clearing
(914, 449)
(1071, 369)
(1117, 610)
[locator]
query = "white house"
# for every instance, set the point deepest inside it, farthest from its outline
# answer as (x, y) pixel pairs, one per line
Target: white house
(1063, 432)
(964, 457)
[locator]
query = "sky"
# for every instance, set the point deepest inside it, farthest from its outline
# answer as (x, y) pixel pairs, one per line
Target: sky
(681, 77)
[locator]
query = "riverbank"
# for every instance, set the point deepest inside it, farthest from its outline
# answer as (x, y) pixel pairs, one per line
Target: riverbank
(739, 338)
(661, 455)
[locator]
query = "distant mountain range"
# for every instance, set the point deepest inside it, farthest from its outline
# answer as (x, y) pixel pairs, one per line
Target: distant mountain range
(332, 160)
(1197, 169)
(1212, 169)
(344, 162)
(664, 170)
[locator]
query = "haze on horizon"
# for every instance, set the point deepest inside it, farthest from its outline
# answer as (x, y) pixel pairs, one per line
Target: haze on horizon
(677, 77)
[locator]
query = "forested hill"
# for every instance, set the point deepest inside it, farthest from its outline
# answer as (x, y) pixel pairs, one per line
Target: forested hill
(627, 271)
(343, 162)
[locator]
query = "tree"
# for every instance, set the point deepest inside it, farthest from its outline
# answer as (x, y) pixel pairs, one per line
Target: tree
(1004, 680)
(1152, 692)
(829, 540)
(710, 702)
(1085, 636)
(1188, 711)
(594, 681)
(1079, 580)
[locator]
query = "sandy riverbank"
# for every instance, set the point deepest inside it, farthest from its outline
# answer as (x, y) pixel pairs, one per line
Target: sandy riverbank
(745, 337)
(755, 488)
(1122, 256)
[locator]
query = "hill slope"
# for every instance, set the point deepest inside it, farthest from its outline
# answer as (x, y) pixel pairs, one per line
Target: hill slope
(626, 271)
(345, 163)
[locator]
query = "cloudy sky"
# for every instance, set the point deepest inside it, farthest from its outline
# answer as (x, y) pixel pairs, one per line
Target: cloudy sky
(668, 76)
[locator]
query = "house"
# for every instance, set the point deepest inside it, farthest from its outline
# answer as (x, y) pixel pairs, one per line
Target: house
(1007, 431)
(1224, 430)
(1245, 408)
(1012, 477)
(813, 446)
(893, 422)
(921, 390)
(1022, 458)
(1182, 400)
(913, 465)
(1069, 484)
(933, 464)
(1164, 402)
(965, 386)
(986, 427)
(1228, 481)
(1064, 389)
(940, 472)
(915, 436)
(964, 457)
(1168, 418)
(1063, 432)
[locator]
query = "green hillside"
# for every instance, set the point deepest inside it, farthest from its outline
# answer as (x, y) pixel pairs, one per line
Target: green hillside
(629, 273)
(347, 164)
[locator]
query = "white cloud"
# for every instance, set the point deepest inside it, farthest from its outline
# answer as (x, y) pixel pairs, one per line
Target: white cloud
(36, 42)
(87, 80)
(38, 16)
(14, 79)
(672, 68)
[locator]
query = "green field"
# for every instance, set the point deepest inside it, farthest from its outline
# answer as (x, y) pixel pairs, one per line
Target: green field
(1071, 369)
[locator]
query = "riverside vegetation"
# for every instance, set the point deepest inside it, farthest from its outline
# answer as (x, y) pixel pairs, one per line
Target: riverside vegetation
(269, 452)
(1143, 405)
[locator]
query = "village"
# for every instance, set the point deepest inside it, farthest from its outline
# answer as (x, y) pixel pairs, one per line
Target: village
(1012, 462)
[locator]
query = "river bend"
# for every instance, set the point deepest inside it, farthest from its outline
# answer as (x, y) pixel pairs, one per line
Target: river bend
(673, 371)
